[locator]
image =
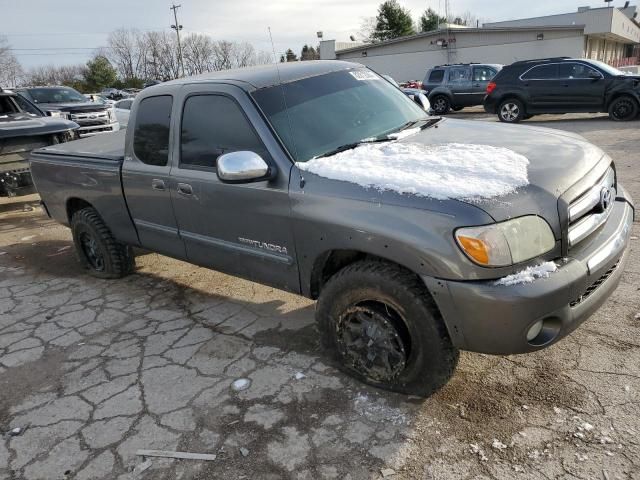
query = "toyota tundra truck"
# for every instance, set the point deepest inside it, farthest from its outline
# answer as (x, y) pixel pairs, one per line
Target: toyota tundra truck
(419, 236)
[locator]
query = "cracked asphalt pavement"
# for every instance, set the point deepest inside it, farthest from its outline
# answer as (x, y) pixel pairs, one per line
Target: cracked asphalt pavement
(94, 370)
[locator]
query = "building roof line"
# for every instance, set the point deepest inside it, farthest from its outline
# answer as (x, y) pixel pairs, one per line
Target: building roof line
(442, 31)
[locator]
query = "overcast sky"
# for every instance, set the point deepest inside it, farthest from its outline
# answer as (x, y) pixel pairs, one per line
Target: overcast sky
(65, 31)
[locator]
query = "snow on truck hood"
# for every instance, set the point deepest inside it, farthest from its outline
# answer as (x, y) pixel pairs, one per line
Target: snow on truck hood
(441, 171)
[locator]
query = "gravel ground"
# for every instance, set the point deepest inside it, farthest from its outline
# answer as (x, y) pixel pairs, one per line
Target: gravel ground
(95, 370)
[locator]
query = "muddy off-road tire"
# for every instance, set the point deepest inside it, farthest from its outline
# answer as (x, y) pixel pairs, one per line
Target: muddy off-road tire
(384, 329)
(98, 251)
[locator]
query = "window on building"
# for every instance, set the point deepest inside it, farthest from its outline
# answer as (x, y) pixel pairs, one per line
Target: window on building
(211, 126)
(576, 71)
(542, 72)
(436, 76)
(483, 74)
(151, 134)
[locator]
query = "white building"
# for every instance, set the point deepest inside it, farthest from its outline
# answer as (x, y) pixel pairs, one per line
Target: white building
(608, 34)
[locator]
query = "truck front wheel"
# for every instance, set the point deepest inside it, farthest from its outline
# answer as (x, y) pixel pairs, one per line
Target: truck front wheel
(97, 249)
(384, 329)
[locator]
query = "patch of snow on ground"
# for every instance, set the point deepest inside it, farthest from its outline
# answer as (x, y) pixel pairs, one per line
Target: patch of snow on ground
(452, 170)
(529, 274)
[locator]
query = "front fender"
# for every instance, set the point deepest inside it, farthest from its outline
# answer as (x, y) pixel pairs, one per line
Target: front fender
(411, 231)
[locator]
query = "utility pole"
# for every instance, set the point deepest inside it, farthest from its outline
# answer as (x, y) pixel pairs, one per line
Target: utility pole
(177, 27)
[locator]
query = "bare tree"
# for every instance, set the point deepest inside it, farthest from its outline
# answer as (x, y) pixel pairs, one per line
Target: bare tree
(367, 27)
(244, 55)
(11, 71)
(124, 52)
(155, 54)
(197, 53)
(52, 75)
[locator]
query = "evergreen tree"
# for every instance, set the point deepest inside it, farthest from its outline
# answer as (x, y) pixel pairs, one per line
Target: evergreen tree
(291, 57)
(100, 74)
(309, 53)
(430, 20)
(393, 21)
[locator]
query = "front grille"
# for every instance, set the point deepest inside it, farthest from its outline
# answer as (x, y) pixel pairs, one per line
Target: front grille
(91, 118)
(594, 286)
(592, 209)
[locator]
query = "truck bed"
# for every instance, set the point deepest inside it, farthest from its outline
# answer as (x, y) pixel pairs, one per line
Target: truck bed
(107, 146)
(87, 171)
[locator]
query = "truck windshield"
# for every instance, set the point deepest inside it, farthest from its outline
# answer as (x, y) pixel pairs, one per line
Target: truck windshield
(326, 112)
(56, 95)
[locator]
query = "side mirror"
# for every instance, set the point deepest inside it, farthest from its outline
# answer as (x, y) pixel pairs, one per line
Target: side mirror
(594, 75)
(242, 167)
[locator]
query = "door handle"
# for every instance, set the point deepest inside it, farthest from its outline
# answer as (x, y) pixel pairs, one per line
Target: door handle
(185, 189)
(157, 184)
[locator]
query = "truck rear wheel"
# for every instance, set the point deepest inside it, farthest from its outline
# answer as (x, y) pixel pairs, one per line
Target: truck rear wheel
(384, 329)
(97, 249)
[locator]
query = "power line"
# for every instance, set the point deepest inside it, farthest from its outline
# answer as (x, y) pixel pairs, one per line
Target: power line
(52, 54)
(42, 34)
(55, 48)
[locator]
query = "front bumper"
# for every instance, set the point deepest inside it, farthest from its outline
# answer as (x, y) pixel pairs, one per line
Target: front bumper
(488, 318)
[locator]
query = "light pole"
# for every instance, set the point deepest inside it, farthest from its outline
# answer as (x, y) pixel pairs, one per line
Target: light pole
(177, 27)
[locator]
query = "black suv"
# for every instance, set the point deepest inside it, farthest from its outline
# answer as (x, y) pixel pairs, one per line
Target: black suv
(453, 87)
(24, 127)
(562, 85)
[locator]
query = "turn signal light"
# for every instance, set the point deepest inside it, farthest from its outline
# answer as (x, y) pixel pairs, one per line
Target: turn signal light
(491, 86)
(475, 248)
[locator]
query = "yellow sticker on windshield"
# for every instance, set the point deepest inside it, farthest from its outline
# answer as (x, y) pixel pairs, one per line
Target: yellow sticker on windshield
(363, 75)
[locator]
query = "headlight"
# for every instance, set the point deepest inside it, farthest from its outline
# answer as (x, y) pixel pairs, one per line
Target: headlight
(506, 243)
(56, 114)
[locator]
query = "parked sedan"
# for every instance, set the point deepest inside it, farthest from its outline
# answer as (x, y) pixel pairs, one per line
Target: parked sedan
(122, 109)
(562, 85)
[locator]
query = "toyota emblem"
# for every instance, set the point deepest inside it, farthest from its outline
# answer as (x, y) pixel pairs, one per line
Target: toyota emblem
(605, 199)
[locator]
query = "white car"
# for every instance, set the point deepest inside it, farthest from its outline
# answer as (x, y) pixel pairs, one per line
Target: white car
(122, 109)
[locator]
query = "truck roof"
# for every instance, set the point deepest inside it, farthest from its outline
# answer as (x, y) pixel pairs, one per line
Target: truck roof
(263, 76)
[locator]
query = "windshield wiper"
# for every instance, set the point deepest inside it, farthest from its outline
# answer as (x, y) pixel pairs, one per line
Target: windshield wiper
(405, 126)
(351, 146)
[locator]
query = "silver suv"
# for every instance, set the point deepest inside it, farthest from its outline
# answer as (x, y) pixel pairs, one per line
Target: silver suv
(453, 87)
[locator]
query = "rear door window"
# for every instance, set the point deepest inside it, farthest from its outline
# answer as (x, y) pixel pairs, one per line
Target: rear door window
(542, 72)
(151, 134)
(436, 76)
(458, 75)
(483, 74)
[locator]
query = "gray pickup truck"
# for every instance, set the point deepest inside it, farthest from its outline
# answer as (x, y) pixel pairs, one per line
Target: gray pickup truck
(419, 236)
